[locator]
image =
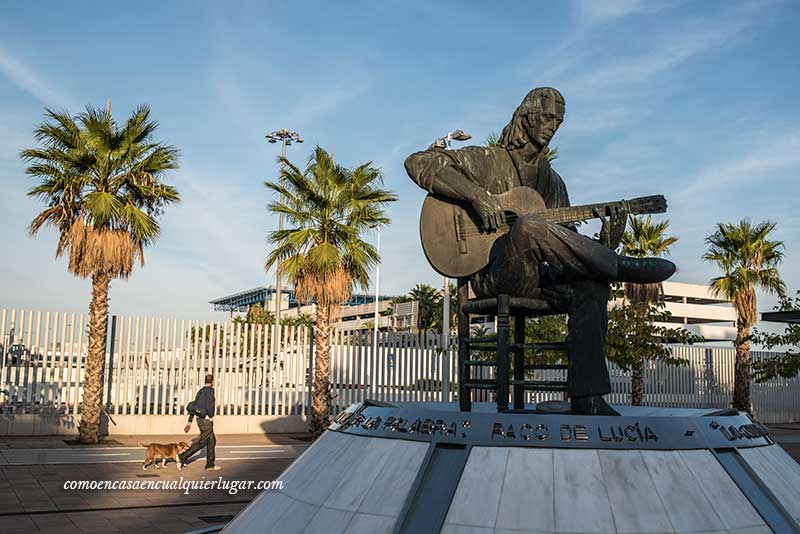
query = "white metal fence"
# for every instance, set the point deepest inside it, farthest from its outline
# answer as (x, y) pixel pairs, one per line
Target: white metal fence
(405, 368)
(411, 368)
(155, 366)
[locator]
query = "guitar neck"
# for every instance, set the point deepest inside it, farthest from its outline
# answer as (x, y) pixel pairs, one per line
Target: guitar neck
(575, 213)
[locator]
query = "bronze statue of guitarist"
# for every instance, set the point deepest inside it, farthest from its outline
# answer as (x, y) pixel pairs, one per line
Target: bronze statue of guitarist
(537, 258)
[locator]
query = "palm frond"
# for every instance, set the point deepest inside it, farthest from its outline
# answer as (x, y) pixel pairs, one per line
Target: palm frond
(102, 207)
(142, 226)
(748, 260)
(330, 208)
(103, 186)
(646, 239)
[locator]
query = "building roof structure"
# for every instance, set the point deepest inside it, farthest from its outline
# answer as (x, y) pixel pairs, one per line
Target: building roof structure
(791, 316)
(241, 301)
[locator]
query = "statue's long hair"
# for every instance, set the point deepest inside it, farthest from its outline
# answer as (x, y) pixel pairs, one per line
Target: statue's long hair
(514, 135)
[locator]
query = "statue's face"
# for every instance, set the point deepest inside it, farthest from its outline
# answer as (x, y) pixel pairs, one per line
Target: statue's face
(541, 125)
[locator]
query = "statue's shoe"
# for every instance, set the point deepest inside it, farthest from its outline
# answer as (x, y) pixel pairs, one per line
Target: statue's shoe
(644, 270)
(591, 405)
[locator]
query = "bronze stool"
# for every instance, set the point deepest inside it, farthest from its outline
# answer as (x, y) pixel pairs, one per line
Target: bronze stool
(505, 308)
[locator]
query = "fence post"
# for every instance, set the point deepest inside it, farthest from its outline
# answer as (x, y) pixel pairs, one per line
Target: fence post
(445, 368)
(310, 372)
(112, 337)
(375, 360)
(708, 382)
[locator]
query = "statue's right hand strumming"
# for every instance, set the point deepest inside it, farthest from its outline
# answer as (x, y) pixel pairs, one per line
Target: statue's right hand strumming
(489, 210)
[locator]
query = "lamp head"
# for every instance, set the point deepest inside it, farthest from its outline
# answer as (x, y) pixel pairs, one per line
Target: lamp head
(460, 135)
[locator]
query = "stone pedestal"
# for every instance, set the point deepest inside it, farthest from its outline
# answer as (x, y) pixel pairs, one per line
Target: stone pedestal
(420, 468)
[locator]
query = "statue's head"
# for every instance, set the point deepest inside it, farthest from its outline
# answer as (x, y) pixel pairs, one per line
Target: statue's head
(535, 120)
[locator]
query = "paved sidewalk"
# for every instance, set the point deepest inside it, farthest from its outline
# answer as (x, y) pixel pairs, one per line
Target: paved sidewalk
(33, 498)
(135, 454)
(46, 442)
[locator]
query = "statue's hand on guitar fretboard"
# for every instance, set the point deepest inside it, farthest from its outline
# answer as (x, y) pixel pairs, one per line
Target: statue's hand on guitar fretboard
(612, 227)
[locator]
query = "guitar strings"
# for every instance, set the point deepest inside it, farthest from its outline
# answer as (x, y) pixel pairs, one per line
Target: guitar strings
(587, 211)
(509, 222)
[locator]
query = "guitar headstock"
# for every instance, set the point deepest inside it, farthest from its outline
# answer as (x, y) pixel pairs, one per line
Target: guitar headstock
(651, 204)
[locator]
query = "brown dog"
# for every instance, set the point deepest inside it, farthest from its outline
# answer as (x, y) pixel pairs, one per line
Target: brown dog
(169, 450)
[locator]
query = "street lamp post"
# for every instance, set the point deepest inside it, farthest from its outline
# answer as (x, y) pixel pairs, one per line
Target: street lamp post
(377, 293)
(446, 143)
(286, 138)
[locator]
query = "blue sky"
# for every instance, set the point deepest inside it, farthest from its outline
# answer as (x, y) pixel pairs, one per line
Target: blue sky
(695, 100)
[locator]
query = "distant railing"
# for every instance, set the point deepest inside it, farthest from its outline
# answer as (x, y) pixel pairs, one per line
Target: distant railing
(155, 366)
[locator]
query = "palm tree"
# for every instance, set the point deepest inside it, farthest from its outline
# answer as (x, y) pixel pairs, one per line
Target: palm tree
(257, 314)
(748, 259)
(304, 319)
(102, 186)
(427, 298)
(643, 239)
(328, 209)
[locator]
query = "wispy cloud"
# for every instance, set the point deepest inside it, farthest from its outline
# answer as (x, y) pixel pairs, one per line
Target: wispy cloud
(257, 92)
(31, 81)
(668, 50)
(598, 118)
(780, 154)
(593, 12)
(611, 86)
(591, 18)
(323, 100)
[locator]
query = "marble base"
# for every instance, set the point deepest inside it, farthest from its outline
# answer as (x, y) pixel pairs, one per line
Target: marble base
(659, 470)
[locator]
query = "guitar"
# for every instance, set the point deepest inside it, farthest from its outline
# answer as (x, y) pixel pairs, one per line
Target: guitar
(456, 244)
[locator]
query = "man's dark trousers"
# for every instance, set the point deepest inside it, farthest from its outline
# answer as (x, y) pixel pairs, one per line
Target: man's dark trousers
(207, 439)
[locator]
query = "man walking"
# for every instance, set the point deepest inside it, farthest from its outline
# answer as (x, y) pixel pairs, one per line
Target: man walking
(204, 408)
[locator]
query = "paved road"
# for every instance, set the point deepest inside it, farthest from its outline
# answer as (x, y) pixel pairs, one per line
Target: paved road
(33, 498)
(115, 455)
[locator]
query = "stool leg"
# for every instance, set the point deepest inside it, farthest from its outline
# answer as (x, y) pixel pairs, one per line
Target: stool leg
(464, 398)
(502, 352)
(519, 362)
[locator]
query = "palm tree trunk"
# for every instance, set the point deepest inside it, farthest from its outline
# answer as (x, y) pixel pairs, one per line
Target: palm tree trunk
(741, 376)
(89, 427)
(637, 382)
(321, 402)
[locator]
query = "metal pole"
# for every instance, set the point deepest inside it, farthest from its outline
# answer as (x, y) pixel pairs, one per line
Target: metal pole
(278, 285)
(310, 373)
(112, 345)
(446, 303)
(446, 343)
(446, 315)
(377, 293)
(448, 144)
